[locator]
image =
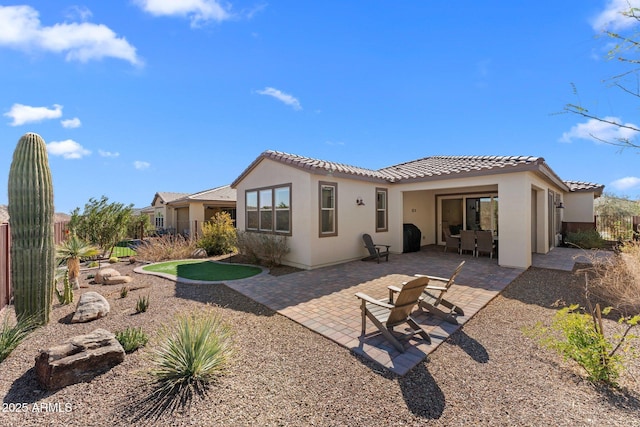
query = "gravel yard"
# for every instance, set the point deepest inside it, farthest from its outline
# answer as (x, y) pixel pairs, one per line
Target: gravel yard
(487, 373)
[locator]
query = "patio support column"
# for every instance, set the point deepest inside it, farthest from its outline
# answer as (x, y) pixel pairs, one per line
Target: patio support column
(514, 218)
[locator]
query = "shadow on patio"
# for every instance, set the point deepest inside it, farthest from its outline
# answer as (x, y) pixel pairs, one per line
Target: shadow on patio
(324, 301)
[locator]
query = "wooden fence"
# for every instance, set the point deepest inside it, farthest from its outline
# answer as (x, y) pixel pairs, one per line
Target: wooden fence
(59, 228)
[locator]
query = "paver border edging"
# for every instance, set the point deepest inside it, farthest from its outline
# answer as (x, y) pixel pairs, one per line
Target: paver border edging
(184, 280)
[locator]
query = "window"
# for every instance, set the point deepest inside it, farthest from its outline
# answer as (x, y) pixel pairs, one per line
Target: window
(266, 210)
(159, 220)
(381, 209)
(269, 209)
(328, 206)
(251, 204)
(283, 209)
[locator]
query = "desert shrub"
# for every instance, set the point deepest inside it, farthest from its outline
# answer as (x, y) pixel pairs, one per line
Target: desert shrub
(263, 248)
(218, 235)
(124, 291)
(165, 248)
(12, 336)
(192, 353)
(616, 279)
(93, 264)
(113, 260)
(580, 336)
(586, 239)
(142, 305)
(132, 339)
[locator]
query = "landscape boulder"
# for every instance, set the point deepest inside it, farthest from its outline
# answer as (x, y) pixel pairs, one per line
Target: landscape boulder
(111, 276)
(199, 253)
(78, 359)
(91, 306)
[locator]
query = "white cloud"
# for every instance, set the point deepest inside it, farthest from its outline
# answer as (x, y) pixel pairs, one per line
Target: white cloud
(71, 123)
(69, 149)
(599, 131)
(198, 11)
(140, 165)
(626, 183)
(20, 28)
(281, 96)
(108, 153)
(612, 18)
(22, 114)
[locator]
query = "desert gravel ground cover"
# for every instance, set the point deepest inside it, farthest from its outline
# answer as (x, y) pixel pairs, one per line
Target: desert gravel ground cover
(488, 373)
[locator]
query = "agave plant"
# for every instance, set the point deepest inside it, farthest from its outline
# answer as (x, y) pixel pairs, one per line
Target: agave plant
(70, 252)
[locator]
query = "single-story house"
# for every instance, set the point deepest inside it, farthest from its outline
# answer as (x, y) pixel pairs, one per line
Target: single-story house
(323, 207)
(184, 213)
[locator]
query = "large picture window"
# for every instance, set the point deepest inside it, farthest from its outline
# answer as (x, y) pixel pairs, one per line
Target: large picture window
(381, 209)
(269, 209)
(328, 209)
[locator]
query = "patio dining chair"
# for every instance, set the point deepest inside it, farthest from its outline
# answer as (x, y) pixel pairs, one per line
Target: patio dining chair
(450, 242)
(484, 243)
(468, 241)
(386, 315)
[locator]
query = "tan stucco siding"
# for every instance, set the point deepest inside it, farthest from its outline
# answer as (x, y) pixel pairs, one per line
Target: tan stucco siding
(269, 173)
(578, 207)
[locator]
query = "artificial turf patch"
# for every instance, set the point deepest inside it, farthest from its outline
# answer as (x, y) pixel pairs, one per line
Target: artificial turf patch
(204, 270)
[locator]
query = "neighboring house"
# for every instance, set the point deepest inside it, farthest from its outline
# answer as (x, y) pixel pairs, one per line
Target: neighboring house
(184, 213)
(163, 217)
(324, 207)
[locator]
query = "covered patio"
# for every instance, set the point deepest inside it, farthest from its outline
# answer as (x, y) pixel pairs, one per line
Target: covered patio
(324, 301)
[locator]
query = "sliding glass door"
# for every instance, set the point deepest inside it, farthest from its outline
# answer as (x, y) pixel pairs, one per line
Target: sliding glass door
(467, 212)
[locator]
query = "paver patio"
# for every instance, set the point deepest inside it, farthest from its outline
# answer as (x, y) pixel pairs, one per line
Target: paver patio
(324, 301)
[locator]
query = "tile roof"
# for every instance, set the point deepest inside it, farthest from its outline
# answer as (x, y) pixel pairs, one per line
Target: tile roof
(434, 167)
(316, 165)
(451, 165)
(584, 186)
(223, 193)
(169, 196)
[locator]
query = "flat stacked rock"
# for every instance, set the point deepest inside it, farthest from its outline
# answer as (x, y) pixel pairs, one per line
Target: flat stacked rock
(78, 359)
(111, 276)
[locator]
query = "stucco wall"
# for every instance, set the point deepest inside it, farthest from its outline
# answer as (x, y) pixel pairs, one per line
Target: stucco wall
(578, 207)
(519, 223)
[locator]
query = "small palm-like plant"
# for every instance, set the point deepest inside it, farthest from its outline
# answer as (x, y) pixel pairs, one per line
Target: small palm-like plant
(192, 353)
(70, 252)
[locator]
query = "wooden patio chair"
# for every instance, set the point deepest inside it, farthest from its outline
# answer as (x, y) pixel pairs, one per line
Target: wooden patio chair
(484, 242)
(386, 315)
(468, 241)
(433, 296)
(375, 251)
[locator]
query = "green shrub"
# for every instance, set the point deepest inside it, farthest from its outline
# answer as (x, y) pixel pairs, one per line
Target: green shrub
(113, 260)
(142, 304)
(587, 239)
(580, 336)
(124, 291)
(218, 235)
(12, 336)
(192, 353)
(93, 264)
(263, 248)
(132, 339)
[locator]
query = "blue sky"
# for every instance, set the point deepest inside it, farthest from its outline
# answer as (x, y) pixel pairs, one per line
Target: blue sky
(139, 96)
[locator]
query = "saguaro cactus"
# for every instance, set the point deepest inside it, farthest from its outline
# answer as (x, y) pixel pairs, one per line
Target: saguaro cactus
(31, 214)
